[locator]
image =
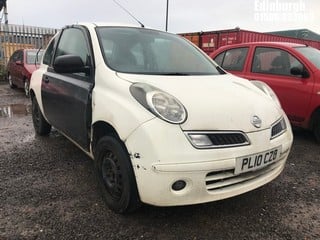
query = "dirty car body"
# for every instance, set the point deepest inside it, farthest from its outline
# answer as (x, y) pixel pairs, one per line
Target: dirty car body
(164, 124)
(21, 65)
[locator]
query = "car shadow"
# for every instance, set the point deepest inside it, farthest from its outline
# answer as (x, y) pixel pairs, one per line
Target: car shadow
(303, 134)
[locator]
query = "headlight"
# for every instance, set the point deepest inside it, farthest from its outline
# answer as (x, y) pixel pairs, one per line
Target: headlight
(160, 103)
(267, 90)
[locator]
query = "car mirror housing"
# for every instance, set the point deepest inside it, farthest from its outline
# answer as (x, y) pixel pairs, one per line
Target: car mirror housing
(296, 71)
(69, 64)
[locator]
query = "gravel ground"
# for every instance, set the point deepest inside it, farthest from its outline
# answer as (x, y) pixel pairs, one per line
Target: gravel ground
(48, 191)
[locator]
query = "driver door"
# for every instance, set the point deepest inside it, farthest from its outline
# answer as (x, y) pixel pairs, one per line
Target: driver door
(66, 97)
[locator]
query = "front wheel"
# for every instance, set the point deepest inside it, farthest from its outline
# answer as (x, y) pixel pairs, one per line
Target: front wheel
(115, 175)
(26, 87)
(41, 126)
(10, 81)
(316, 130)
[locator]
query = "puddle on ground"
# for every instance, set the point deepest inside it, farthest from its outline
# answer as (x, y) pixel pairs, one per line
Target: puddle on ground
(15, 110)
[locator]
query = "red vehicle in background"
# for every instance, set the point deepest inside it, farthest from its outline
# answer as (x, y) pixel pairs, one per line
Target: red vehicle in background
(21, 65)
(210, 41)
(291, 70)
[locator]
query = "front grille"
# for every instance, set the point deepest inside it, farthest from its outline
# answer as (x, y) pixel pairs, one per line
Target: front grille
(225, 139)
(224, 179)
(217, 139)
(278, 128)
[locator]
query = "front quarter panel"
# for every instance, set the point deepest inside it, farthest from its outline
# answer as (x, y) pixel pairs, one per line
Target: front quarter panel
(35, 84)
(112, 103)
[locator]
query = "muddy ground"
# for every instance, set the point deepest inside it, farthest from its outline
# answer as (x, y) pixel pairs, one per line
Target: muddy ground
(48, 191)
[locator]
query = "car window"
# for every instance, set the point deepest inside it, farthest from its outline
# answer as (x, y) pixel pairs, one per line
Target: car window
(49, 52)
(33, 56)
(218, 59)
(145, 51)
(274, 61)
(312, 54)
(233, 59)
(11, 58)
(137, 52)
(73, 42)
(14, 56)
(17, 56)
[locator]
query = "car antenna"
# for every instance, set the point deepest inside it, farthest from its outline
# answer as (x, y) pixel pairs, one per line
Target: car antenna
(124, 9)
(36, 59)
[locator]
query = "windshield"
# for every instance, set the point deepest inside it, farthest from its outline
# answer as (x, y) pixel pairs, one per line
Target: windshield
(32, 56)
(312, 54)
(144, 51)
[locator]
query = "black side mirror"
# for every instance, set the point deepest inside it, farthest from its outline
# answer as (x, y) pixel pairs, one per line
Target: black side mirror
(70, 64)
(297, 71)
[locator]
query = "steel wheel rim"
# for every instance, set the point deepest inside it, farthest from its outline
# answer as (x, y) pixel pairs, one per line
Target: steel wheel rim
(10, 80)
(111, 175)
(26, 88)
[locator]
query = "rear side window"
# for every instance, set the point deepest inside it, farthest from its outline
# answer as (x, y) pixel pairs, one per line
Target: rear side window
(274, 61)
(20, 56)
(232, 59)
(17, 56)
(14, 56)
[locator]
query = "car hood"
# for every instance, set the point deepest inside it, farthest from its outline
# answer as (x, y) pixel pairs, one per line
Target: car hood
(221, 102)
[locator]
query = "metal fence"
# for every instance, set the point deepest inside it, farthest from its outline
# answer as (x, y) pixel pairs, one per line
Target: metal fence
(14, 37)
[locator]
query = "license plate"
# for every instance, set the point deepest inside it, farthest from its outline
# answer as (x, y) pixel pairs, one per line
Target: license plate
(256, 161)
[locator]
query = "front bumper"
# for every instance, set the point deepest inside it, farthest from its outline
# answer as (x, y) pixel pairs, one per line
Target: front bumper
(161, 155)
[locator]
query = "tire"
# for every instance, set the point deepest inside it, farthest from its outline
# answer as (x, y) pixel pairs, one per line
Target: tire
(115, 175)
(26, 88)
(41, 126)
(316, 127)
(10, 81)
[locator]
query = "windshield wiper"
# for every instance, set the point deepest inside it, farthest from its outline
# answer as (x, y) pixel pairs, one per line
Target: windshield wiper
(175, 74)
(220, 70)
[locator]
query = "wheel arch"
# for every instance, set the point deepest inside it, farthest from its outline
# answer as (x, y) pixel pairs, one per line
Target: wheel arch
(314, 116)
(100, 129)
(25, 78)
(32, 94)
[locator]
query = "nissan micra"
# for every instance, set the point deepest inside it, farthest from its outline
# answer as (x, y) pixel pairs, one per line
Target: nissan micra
(163, 123)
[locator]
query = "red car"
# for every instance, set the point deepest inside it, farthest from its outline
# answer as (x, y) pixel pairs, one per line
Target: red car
(21, 65)
(291, 70)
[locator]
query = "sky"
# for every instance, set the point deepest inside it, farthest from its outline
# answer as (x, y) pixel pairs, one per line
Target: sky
(183, 15)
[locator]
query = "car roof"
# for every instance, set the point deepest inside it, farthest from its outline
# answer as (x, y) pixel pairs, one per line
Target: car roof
(284, 44)
(33, 49)
(27, 49)
(106, 24)
(264, 44)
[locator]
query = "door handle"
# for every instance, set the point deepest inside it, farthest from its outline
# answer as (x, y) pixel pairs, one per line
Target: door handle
(46, 79)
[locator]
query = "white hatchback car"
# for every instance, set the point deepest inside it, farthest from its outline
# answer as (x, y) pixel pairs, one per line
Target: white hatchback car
(164, 124)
